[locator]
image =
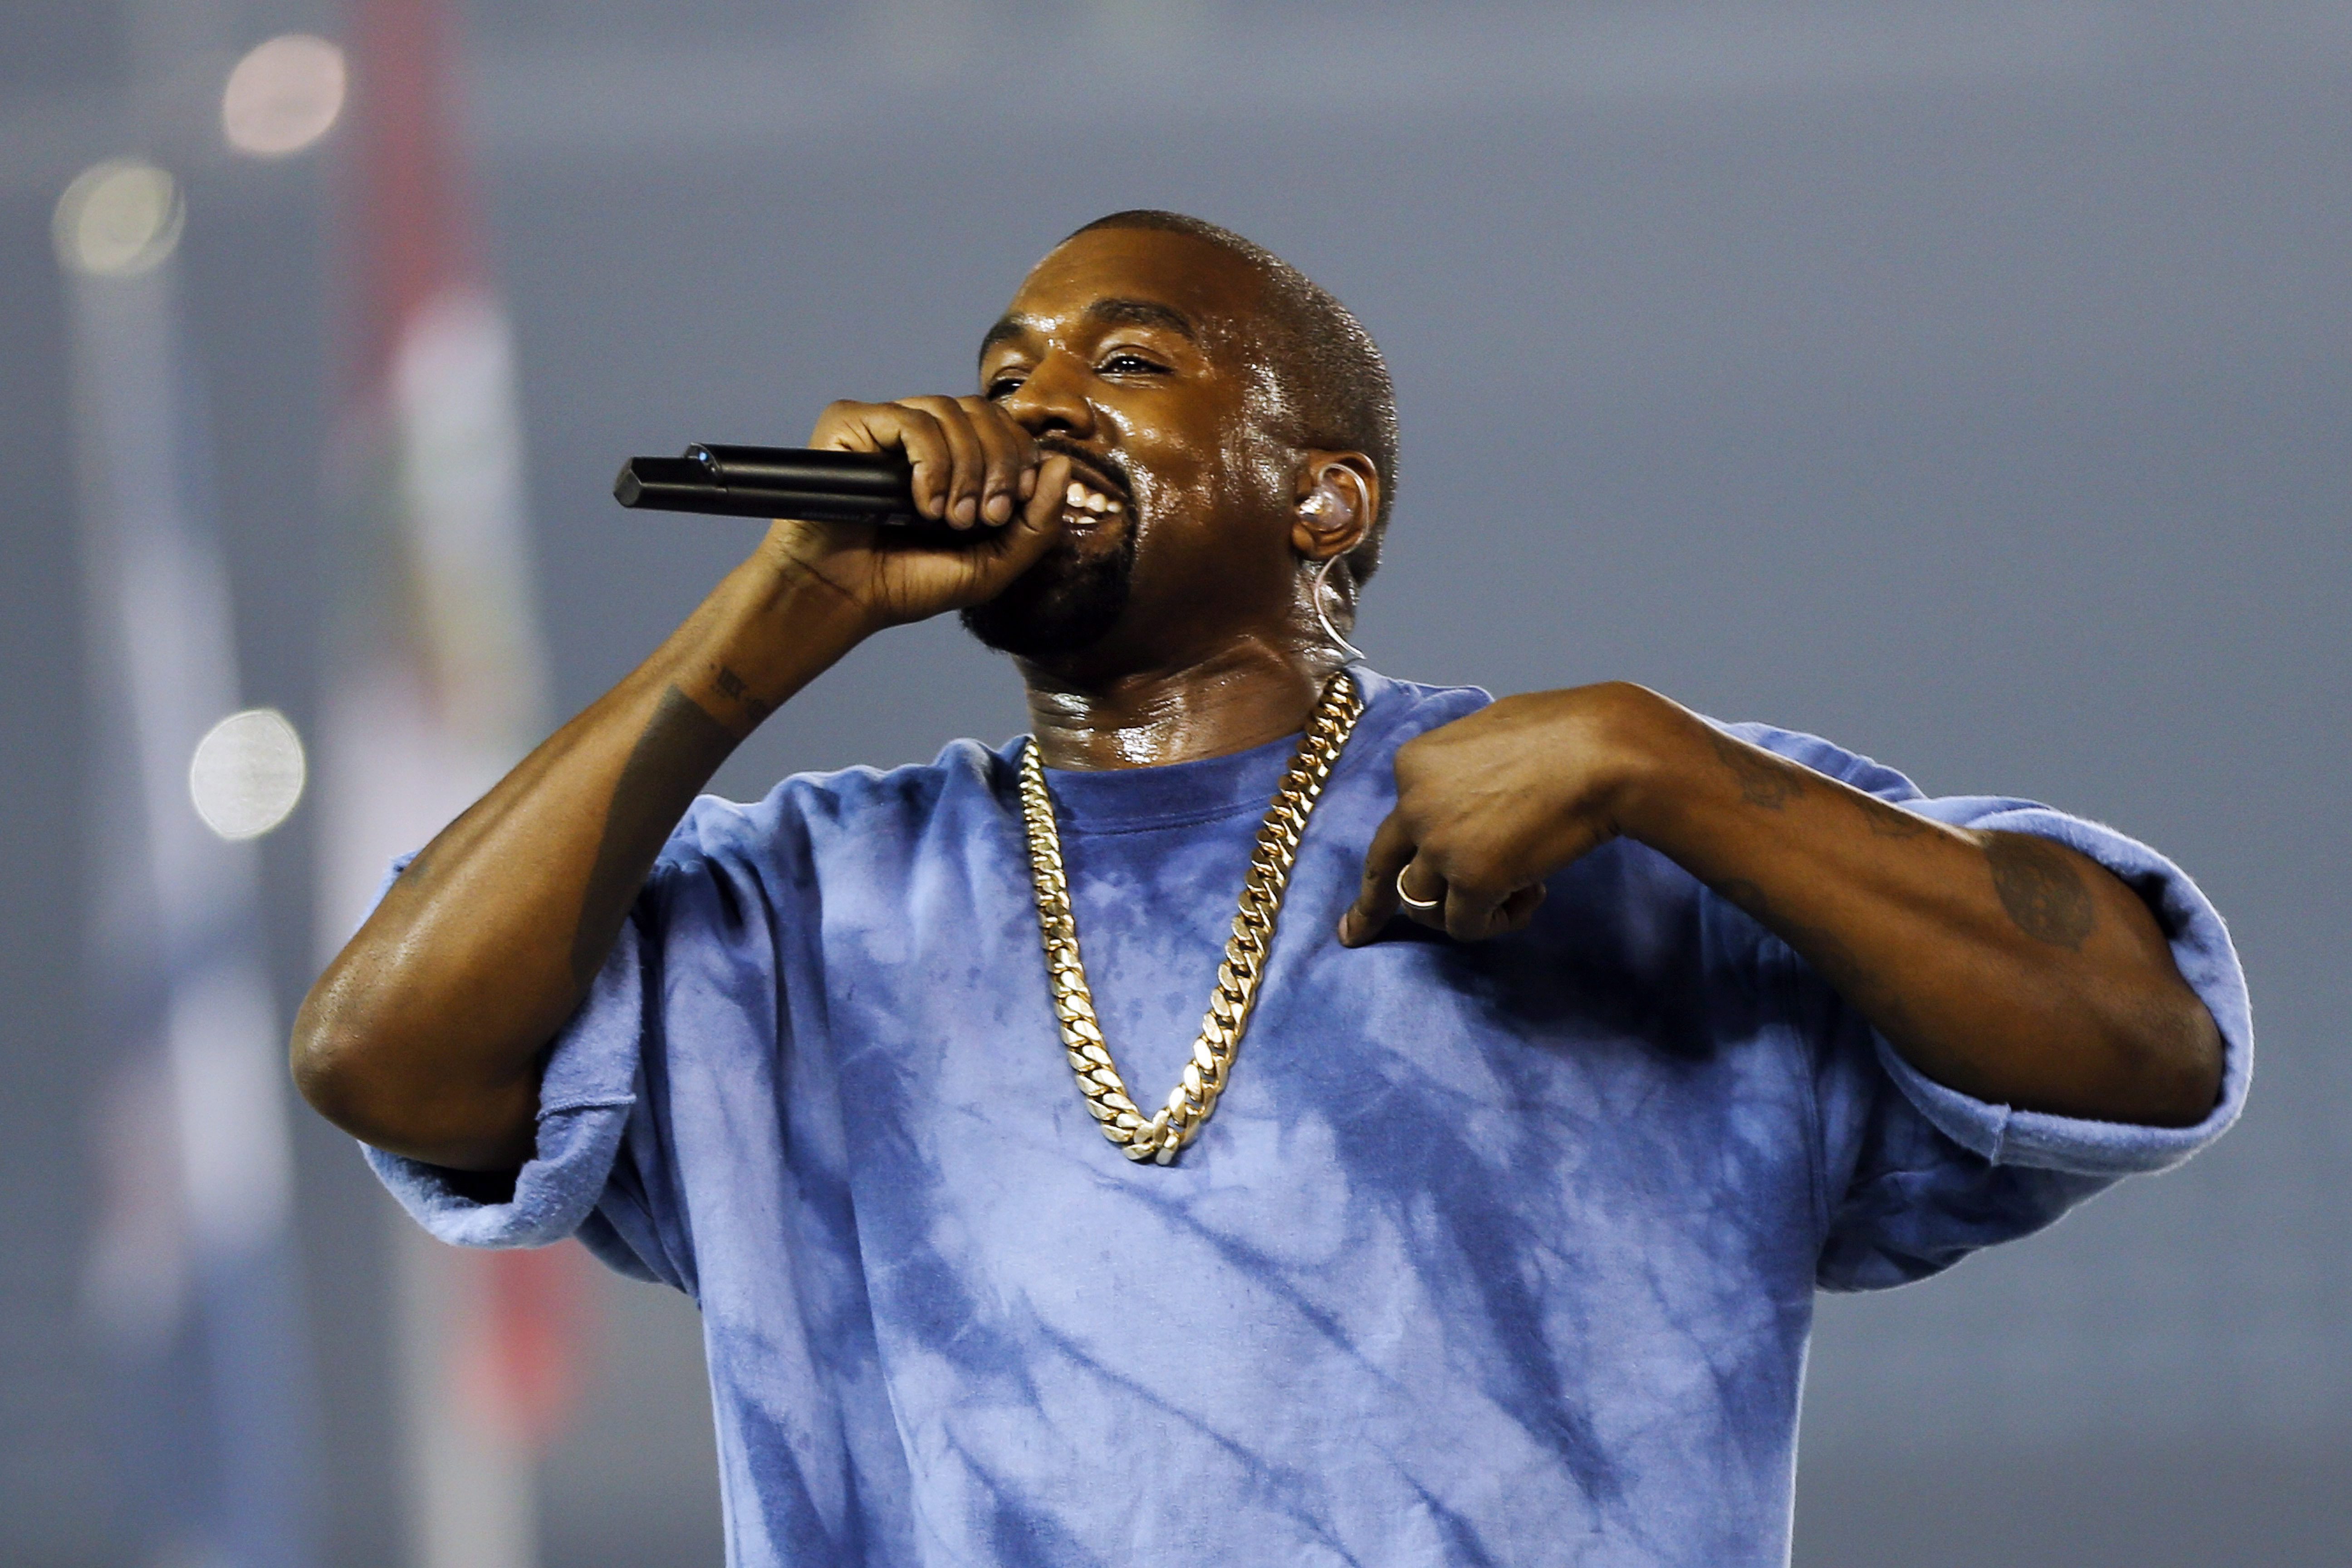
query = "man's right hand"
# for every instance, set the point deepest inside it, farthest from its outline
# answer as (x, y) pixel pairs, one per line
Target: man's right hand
(974, 470)
(427, 1034)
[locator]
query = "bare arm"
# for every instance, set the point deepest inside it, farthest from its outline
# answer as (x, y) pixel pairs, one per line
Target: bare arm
(2003, 965)
(427, 1033)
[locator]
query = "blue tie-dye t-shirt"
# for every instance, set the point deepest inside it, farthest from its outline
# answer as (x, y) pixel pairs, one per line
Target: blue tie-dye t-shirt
(1499, 1253)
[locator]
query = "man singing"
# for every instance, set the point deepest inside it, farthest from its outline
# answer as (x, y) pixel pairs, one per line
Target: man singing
(1275, 1114)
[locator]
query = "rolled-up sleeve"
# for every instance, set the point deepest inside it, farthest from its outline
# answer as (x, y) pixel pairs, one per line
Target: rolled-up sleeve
(2003, 1135)
(583, 1178)
(1917, 1174)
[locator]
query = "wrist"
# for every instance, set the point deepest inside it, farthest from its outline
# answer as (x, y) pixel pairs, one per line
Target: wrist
(788, 608)
(1656, 747)
(769, 629)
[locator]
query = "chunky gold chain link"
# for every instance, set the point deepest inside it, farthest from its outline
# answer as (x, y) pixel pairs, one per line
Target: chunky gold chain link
(1167, 1130)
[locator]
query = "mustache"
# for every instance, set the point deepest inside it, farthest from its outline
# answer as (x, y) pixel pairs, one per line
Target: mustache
(1103, 470)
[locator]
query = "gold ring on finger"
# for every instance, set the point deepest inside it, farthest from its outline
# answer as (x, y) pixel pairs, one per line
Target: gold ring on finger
(1410, 901)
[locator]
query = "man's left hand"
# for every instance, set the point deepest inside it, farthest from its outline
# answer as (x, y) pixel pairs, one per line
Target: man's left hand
(1491, 805)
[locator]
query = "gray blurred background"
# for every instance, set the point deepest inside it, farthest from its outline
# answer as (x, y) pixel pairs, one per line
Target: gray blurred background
(1970, 383)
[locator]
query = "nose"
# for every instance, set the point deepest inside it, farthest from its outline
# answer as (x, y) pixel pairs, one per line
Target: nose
(1052, 397)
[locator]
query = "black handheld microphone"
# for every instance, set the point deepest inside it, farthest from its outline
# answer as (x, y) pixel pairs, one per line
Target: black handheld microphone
(782, 482)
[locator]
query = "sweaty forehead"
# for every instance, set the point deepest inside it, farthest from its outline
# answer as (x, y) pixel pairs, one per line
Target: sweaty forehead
(1104, 275)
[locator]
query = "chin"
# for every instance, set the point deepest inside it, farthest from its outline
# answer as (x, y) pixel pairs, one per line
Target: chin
(1064, 604)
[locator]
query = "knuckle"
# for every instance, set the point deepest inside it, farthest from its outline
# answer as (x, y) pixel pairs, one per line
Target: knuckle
(1474, 877)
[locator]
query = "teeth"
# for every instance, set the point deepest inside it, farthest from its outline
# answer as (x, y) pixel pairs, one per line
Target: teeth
(1080, 498)
(1077, 496)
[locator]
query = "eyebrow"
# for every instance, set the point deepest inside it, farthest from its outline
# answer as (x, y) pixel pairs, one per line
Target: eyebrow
(1139, 314)
(1006, 328)
(1102, 313)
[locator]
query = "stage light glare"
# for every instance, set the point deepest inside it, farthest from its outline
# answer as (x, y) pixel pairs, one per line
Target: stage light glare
(283, 96)
(118, 218)
(248, 774)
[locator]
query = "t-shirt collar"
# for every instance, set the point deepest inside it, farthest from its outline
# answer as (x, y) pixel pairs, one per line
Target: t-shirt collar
(1089, 799)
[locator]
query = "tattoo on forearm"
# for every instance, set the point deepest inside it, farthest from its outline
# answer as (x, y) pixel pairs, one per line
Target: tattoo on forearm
(734, 687)
(680, 748)
(1764, 780)
(1888, 821)
(2041, 889)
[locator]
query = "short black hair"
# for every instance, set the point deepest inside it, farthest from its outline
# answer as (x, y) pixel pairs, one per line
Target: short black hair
(1337, 382)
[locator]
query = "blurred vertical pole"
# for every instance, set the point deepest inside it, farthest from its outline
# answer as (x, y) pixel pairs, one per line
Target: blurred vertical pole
(435, 687)
(192, 1280)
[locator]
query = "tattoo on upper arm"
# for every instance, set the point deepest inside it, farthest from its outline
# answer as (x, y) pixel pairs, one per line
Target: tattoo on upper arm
(680, 747)
(2041, 889)
(1765, 780)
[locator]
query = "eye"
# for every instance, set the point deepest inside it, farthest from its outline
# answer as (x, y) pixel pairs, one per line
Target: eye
(1002, 386)
(1127, 361)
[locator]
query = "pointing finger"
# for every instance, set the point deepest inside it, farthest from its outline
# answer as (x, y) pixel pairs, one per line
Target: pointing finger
(1376, 900)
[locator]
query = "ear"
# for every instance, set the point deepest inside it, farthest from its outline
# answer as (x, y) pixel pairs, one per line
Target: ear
(1339, 498)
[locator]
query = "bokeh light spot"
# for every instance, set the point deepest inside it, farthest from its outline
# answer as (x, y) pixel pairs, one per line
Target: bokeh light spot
(118, 218)
(248, 774)
(284, 95)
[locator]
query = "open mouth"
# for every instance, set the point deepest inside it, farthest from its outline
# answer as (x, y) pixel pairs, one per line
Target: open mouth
(1091, 497)
(1083, 505)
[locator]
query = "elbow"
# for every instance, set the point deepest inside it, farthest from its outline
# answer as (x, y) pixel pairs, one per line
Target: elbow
(327, 1057)
(353, 1065)
(368, 1068)
(2176, 1057)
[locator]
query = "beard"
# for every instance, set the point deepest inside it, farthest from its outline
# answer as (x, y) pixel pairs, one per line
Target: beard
(1064, 604)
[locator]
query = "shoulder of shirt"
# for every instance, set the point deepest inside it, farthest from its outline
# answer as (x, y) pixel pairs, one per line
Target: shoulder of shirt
(964, 765)
(1408, 707)
(866, 798)
(1822, 756)
(1423, 707)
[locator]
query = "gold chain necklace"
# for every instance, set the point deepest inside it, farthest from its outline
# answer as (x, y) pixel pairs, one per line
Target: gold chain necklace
(1163, 1134)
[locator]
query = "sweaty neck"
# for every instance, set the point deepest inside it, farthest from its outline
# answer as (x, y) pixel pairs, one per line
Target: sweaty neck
(1245, 694)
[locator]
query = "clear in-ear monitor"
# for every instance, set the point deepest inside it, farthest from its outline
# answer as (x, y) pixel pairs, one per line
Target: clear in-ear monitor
(1323, 582)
